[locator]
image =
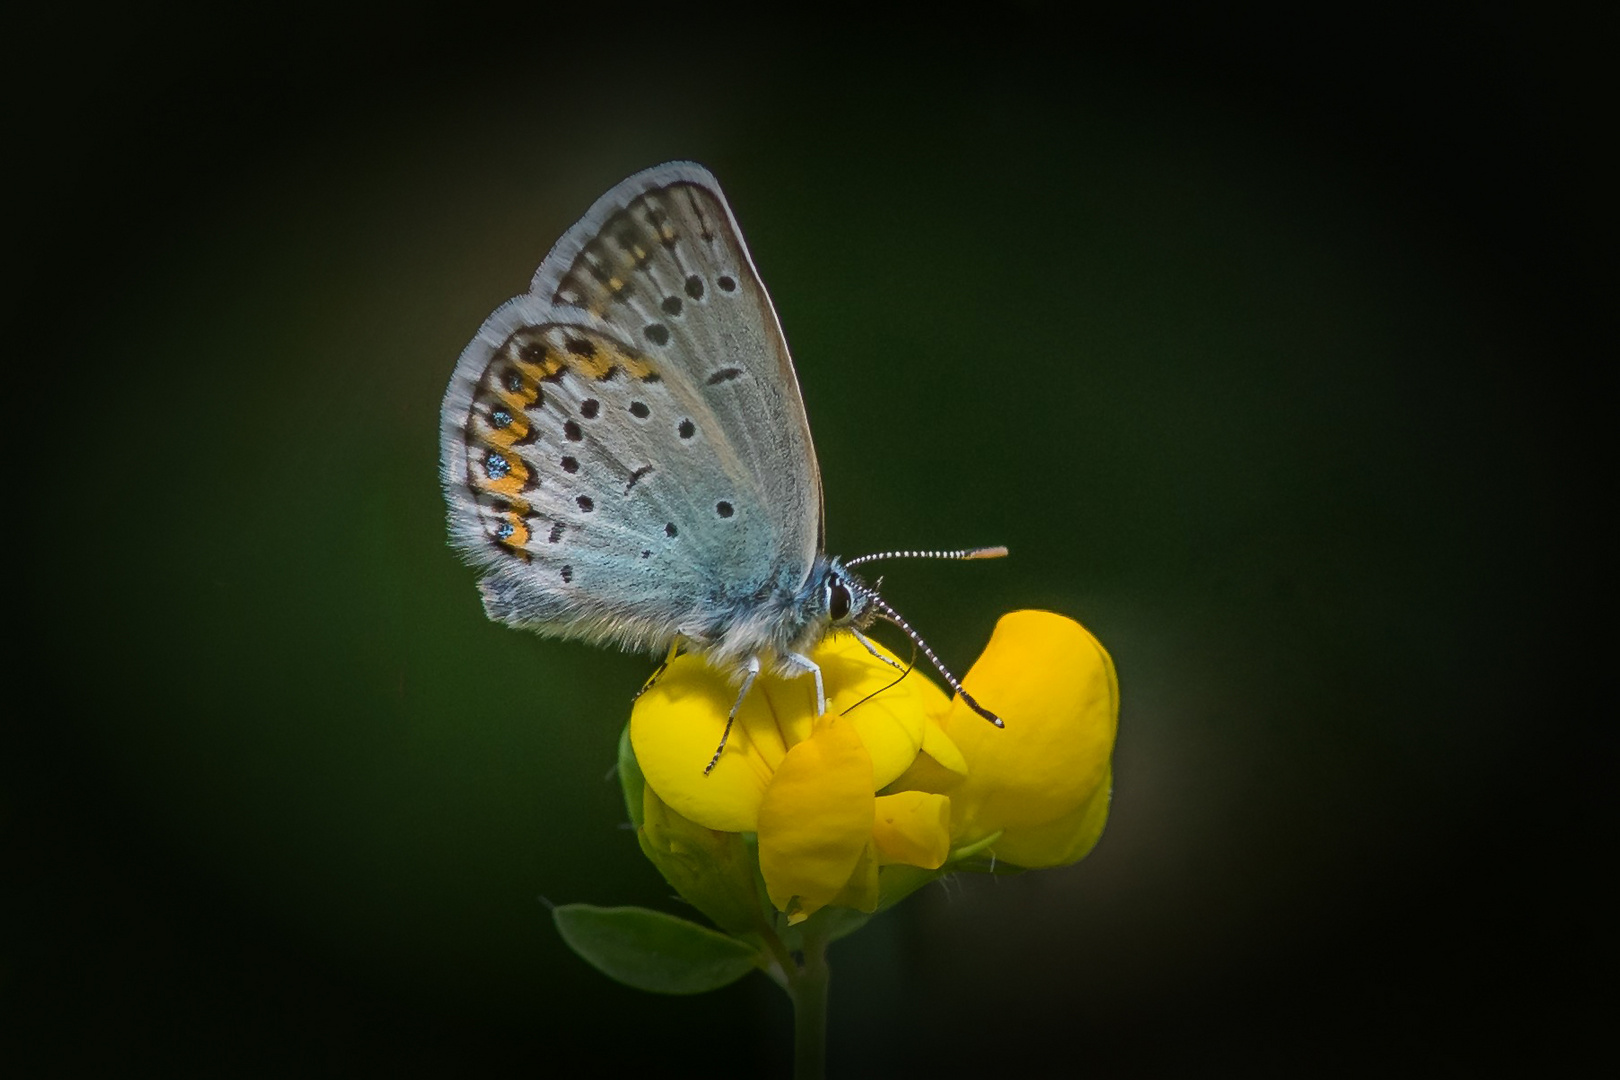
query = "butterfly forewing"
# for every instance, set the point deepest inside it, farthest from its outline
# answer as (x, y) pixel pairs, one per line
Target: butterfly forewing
(625, 448)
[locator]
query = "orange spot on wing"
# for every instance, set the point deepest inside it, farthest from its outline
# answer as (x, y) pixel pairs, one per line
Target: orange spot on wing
(503, 438)
(516, 478)
(520, 531)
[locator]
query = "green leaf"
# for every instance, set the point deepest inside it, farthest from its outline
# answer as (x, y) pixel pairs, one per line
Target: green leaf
(652, 951)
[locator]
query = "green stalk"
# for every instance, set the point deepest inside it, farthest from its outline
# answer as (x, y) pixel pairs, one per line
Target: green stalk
(807, 986)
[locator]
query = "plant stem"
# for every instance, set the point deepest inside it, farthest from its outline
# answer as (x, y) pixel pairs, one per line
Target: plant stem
(808, 987)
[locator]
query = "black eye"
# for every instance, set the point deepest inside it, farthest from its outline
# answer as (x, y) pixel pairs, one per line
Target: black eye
(838, 601)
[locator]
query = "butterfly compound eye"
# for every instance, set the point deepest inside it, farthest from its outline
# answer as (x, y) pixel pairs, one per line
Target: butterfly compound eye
(837, 601)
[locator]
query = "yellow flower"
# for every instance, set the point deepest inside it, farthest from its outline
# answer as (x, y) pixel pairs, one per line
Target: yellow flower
(1038, 789)
(893, 775)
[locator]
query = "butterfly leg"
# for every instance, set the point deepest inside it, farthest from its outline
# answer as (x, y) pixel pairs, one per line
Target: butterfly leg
(864, 640)
(674, 651)
(752, 673)
(807, 665)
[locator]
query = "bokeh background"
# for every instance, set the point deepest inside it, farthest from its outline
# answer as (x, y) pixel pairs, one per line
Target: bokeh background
(1265, 346)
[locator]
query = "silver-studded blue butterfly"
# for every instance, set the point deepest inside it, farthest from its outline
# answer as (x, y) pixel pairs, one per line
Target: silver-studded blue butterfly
(626, 456)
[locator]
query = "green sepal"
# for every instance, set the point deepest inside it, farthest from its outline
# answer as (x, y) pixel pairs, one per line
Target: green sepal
(713, 871)
(970, 859)
(898, 881)
(631, 782)
(829, 923)
(652, 951)
(840, 922)
(990, 866)
(963, 854)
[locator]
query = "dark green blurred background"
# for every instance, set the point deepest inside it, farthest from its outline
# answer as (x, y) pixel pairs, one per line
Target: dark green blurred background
(1262, 345)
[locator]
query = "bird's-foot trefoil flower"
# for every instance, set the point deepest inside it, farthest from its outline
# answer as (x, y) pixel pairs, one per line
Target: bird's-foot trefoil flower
(810, 823)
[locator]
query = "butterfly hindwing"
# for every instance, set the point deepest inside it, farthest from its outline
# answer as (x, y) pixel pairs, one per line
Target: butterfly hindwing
(624, 447)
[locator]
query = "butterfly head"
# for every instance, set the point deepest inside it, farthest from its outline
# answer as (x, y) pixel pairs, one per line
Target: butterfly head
(848, 603)
(846, 599)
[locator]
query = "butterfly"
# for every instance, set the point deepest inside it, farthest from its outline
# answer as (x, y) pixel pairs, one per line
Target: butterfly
(626, 457)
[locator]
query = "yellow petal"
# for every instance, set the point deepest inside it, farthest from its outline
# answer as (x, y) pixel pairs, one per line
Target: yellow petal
(912, 827)
(939, 767)
(1038, 779)
(890, 712)
(1059, 842)
(816, 818)
(940, 749)
(861, 892)
(675, 727)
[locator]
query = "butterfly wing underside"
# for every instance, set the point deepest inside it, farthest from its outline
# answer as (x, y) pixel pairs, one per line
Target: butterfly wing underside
(624, 448)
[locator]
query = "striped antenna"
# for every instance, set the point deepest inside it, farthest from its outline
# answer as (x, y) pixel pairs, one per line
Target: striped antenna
(893, 616)
(966, 553)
